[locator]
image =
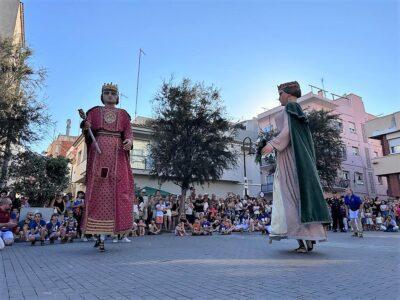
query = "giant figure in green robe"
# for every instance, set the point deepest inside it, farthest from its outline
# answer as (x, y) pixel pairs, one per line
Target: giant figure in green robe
(299, 209)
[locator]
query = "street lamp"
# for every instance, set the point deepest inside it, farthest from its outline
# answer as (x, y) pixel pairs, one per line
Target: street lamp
(251, 151)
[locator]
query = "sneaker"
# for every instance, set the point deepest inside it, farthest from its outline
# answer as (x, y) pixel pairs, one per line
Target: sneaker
(85, 239)
(101, 246)
(115, 240)
(126, 240)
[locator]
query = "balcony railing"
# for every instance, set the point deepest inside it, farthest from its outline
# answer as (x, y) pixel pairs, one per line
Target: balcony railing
(267, 187)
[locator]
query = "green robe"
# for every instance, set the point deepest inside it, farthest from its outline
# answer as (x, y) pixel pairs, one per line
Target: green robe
(313, 207)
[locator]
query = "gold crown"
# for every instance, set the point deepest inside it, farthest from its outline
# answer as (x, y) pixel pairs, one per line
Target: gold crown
(109, 87)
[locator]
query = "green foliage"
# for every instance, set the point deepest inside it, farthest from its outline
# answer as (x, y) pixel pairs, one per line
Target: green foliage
(23, 118)
(39, 177)
(327, 143)
(192, 136)
(263, 138)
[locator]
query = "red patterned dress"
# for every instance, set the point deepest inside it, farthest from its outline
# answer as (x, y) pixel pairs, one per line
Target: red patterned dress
(109, 179)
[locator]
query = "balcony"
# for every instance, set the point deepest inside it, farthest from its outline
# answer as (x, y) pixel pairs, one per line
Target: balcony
(385, 165)
(267, 188)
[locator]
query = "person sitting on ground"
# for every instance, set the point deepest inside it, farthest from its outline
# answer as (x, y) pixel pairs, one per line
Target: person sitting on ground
(206, 226)
(390, 225)
(23, 227)
(154, 229)
(379, 221)
(53, 228)
(180, 229)
(142, 228)
(134, 229)
(226, 226)
(6, 224)
(69, 228)
(196, 228)
(37, 229)
(216, 223)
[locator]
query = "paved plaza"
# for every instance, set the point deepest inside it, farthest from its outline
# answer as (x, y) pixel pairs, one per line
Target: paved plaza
(240, 266)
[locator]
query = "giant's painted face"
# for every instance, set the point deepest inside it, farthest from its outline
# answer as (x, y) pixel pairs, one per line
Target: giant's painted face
(109, 97)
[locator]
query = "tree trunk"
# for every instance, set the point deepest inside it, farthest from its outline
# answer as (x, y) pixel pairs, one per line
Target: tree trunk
(5, 164)
(182, 201)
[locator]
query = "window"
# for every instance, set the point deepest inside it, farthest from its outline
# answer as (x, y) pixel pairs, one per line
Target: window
(394, 146)
(352, 127)
(355, 151)
(344, 153)
(345, 175)
(339, 125)
(359, 178)
(380, 180)
(140, 155)
(270, 179)
(78, 160)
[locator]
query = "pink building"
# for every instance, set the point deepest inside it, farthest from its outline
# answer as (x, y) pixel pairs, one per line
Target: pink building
(357, 171)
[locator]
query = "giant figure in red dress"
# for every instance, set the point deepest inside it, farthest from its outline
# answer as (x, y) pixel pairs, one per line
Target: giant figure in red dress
(109, 179)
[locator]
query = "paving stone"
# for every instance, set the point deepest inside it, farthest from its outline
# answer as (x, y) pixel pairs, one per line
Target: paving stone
(240, 266)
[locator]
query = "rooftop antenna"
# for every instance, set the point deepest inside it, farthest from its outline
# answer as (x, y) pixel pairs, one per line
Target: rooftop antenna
(323, 87)
(137, 80)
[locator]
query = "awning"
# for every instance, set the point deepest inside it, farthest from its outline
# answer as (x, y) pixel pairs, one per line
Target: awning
(150, 191)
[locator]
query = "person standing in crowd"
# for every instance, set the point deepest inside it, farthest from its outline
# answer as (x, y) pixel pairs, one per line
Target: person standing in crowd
(58, 204)
(78, 211)
(354, 208)
(337, 218)
(6, 223)
(189, 210)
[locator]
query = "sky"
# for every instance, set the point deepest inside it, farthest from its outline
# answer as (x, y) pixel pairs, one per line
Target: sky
(245, 48)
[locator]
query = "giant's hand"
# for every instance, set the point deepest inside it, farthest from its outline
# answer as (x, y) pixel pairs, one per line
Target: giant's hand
(86, 125)
(127, 145)
(267, 149)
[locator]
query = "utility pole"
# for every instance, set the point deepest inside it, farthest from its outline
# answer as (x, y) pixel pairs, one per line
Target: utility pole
(137, 80)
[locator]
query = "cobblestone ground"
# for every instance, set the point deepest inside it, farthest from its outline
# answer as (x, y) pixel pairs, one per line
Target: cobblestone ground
(240, 266)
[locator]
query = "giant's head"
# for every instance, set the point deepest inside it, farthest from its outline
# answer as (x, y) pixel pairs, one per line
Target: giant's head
(109, 94)
(289, 91)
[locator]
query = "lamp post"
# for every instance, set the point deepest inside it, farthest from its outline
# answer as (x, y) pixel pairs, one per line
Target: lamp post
(251, 151)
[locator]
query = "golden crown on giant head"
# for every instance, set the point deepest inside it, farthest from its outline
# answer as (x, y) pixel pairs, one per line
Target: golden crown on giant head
(109, 87)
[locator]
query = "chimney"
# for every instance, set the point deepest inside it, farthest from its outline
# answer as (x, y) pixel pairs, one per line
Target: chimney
(68, 127)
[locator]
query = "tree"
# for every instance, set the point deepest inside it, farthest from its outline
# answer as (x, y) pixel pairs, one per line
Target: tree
(192, 135)
(22, 115)
(39, 177)
(327, 143)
